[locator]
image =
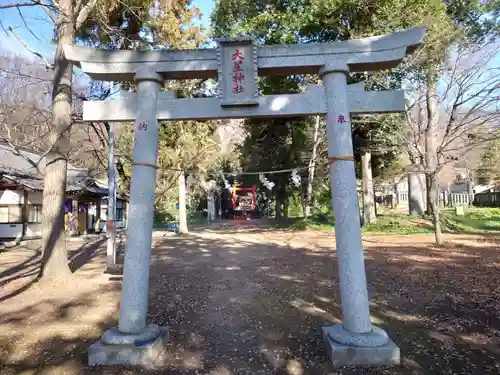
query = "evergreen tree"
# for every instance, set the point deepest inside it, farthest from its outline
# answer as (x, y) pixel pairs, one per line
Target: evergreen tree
(488, 172)
(301, 21)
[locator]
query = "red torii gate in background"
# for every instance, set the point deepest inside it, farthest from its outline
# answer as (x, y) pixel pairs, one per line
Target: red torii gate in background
(237, 204)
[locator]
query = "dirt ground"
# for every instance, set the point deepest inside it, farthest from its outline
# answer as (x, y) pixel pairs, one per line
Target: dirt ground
(252, 301)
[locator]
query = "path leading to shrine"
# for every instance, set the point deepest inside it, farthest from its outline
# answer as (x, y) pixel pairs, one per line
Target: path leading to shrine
(252, 300)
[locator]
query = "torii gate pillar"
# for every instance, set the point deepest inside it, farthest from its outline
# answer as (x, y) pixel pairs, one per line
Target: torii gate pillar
(237, 63)
(355, 341)
(133, 341)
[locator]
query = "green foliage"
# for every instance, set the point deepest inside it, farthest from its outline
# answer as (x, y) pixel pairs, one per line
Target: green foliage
(163, 217)
(317, 221)
(273, 144)
(492, 214)
(381, 136)
(182, 145)
(119, 24)
(478, 20)
(489, 168)
(294, 205)
(186, 145)
(286, 143)
(293, 21)
(399, 224)
(323, 198)
(475, 220)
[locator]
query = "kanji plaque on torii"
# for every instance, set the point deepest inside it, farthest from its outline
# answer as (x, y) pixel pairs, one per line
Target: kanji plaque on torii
(237, 58)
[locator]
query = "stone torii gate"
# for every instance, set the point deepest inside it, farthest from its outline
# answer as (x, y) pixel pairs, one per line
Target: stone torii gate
(237, 63)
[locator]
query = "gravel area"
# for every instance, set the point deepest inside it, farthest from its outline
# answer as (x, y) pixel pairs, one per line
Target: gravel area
(252, 300)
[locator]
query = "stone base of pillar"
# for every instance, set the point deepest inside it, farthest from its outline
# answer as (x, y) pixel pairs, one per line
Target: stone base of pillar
(373, 349)
(114, 269)
(116, 348)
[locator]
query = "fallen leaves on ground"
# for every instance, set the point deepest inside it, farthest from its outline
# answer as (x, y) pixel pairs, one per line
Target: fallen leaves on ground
(253, 300)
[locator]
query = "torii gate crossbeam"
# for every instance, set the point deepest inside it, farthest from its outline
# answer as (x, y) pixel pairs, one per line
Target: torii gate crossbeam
(311, 102)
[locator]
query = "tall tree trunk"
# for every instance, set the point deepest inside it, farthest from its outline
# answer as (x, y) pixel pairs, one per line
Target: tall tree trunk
(279, 204)
(416, 187)
(431, 162)
(470, 187)
(312, 166)
(434, 202)
(428, 193)
(369, 215)
(183, 228)
(394, 200)
(55, 255)
(303, 200)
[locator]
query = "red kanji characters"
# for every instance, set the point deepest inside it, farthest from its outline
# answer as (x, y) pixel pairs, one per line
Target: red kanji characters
(341, 119)
(143, 126)
(237, 89)
(238, 74)
(237, 66)
(238, 78)
(237, 55)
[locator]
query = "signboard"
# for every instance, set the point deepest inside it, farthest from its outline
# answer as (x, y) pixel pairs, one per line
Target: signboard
(237, 72)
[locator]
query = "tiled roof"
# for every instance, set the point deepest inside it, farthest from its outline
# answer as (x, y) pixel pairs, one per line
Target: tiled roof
(20, 170)
(11, 162)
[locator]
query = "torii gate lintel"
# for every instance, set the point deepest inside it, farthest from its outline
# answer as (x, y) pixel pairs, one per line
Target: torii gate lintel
(367, 54)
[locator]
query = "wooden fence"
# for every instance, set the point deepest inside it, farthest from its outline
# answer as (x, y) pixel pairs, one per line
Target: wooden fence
(487, 199)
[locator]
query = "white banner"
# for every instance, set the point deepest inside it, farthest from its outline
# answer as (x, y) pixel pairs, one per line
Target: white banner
(296, 180)
(189, 182)
(226, 184)
(268, 184)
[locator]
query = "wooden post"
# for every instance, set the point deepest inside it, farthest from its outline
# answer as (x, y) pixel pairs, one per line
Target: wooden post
(97, 225)
(74, 219)
(24, 213)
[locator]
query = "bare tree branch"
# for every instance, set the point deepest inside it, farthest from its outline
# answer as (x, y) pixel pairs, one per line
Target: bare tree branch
(25, 4)
(26, 24)
(48, 65)
(48, 10)
(83, 13)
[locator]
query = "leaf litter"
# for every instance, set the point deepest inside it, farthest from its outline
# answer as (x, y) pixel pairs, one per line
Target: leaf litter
(254, 301)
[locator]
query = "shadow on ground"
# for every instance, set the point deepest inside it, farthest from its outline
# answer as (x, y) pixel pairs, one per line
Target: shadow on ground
(18, 276)
(254, 304)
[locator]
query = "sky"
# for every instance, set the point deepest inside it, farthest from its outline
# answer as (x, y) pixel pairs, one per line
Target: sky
(39, 38)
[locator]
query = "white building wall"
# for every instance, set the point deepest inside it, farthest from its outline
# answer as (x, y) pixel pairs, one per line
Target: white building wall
(118, 223)
(15, 231)
(8, 230)
(35, 229)
(35, 197)
(11, 196)
(17, 197)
